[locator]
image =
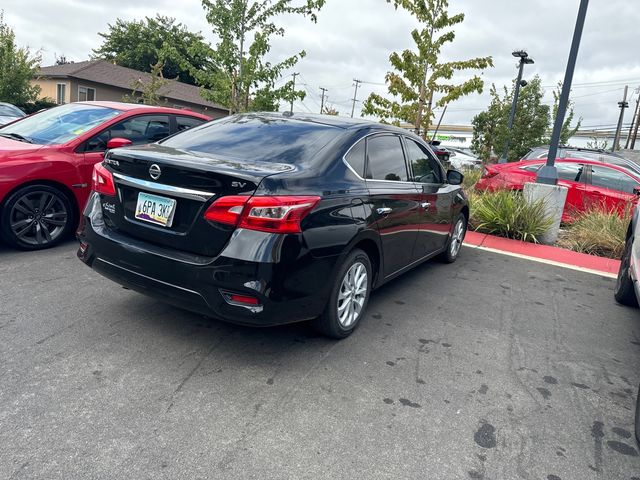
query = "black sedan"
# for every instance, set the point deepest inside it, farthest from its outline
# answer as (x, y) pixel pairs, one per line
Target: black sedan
(627, 289)
(265, 219)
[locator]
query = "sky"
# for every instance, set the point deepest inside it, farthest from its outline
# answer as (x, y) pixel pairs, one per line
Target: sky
(353, 39)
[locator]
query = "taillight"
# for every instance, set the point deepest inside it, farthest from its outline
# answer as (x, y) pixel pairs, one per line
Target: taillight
(486, 173)
(277, 214)
(102, 180)
(226, 209)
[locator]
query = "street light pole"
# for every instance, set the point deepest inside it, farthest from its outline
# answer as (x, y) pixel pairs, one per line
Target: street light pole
(548, 174)
(524, 58)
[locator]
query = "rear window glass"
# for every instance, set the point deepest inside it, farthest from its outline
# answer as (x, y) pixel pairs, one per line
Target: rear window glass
(249, 137)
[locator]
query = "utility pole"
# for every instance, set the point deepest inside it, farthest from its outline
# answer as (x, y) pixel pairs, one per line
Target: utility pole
(293, 92)
(524, 59)
(623, 104)
(322, 101)
(635, 128)
(355, 94)
(634, 122)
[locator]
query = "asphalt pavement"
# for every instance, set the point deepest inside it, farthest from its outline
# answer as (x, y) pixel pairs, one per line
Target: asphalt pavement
(491, 368)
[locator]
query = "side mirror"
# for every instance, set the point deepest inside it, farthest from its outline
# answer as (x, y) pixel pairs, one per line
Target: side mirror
(454, 177)
(118, 142)
(636, 190)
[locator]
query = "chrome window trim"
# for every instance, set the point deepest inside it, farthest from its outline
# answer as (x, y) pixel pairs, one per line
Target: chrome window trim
(344, 158)
(187, 193)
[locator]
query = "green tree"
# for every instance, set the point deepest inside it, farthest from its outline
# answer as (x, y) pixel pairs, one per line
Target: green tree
(420, 74)
(532, 124)
(141, 44)
(149, 91)
(239, 76)
(17, 68)
(567, 130)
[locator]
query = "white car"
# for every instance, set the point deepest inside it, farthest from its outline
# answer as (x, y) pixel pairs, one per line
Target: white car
(461, 160)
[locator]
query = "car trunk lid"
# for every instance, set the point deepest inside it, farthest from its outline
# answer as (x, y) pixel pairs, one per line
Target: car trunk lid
(186, 183)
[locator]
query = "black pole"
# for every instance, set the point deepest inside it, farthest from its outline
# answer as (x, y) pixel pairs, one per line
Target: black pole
(548, 173)
(512, 115)
(439, 122)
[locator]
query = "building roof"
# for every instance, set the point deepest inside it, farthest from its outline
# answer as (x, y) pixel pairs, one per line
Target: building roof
(107, 73)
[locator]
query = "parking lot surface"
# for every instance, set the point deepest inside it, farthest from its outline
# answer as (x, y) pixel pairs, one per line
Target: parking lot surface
(491, 368)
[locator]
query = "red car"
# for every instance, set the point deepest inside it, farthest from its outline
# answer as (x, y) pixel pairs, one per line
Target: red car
(589, 182)
(46, 162)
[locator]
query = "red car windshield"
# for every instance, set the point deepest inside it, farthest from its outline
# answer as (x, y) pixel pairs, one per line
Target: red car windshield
(58, 125)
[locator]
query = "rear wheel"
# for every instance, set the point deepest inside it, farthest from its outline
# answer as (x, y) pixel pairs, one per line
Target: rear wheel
(349, 297)
(455, 240)
(624, 292)
(36, 217)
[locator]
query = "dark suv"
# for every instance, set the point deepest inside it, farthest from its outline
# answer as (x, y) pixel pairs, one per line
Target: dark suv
(265, 219)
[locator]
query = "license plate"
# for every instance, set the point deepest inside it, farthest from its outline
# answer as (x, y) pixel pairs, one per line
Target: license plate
(155, 209)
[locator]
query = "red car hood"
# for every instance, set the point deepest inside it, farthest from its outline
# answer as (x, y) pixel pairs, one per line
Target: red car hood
(14, 148)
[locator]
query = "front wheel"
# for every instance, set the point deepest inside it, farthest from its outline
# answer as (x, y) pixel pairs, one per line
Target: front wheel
(455, 240)
(349, 297)
(36, 217)
(624, 292)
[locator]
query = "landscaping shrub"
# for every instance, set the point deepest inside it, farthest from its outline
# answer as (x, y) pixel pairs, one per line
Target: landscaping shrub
(508, 214)
(598, 231)
(471, 177)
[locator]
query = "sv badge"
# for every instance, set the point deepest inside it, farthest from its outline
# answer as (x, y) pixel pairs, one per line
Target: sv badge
(238, 184)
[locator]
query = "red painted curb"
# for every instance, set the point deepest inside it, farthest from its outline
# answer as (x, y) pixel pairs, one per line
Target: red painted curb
(543, 252)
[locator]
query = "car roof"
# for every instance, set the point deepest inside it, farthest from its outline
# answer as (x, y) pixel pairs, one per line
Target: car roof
(127, 107)
(329, 120)
(621, 168)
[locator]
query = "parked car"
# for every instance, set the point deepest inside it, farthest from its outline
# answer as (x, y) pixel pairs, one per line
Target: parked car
(589, 182)
(46, 162)
(462, 160)
(597, 155)
(441, 152)
(627, 289)
(9, 113)
(265, 219)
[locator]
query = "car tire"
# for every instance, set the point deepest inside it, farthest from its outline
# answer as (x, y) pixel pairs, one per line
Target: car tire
(347, 301)
(623, 291)
(638, 417)
(36, 217)
(454, 244)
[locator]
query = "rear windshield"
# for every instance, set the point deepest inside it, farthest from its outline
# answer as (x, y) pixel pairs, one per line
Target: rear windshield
(256, 138)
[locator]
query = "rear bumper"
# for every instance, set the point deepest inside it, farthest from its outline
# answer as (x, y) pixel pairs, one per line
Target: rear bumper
(289, 288)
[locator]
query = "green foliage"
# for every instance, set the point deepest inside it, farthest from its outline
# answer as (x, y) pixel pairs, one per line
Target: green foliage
(239, 76)
(598, 144)
(508, 214)
(598, 231)
(470, 179)
(142, 44)
(148, 92)
(37, 105)
(17, 68)
(533, 121)
(420, 74)
(567, 130)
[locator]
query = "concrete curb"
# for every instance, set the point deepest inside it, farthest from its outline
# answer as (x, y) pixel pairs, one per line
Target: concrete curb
(561, 257)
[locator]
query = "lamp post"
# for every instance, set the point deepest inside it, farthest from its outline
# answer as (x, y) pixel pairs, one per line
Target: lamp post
(546, 187)
(524, 60)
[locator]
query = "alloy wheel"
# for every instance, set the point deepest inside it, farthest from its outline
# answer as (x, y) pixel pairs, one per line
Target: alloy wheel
(352, 294)
(38, 217)
(456, 238)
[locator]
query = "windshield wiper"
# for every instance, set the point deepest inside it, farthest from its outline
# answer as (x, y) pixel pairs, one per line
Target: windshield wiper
(16, 136)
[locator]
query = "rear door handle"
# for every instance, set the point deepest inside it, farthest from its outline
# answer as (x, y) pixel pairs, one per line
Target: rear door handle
(384, 210)
(425, 205)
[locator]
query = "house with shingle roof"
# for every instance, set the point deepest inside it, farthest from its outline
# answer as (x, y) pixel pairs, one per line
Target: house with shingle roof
(104, 81)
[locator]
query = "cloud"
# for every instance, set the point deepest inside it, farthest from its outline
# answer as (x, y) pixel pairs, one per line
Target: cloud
(353, 39)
